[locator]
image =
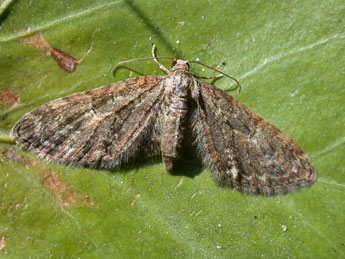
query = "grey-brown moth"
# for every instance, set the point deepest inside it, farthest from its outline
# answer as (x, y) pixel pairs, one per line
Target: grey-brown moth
(150, 116)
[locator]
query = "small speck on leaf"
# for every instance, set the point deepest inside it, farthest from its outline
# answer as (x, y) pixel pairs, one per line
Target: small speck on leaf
(179, 184)
(195, 194)
(133, 201)
(284, 228)
(2, 243)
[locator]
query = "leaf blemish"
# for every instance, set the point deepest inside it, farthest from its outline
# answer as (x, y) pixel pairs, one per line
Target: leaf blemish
(133, 201)
(13, 156)
(9, 98)
(64, 60)
(62, 192)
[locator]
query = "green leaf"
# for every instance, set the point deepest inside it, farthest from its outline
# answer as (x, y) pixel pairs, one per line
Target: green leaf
(289, 58)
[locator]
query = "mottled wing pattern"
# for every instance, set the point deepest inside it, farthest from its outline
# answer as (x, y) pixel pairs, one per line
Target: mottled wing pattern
(243, 150)
(105, 127)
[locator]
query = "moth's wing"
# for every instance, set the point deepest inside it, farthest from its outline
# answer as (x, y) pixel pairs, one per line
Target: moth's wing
(243, 150)
(105, 127)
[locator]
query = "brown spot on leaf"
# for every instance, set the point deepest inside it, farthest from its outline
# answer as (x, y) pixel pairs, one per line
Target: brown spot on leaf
(133, 201)
(9, 98)
(64, 60)
(38, 41)
(33, 162)
(12, 155)
(64, 193)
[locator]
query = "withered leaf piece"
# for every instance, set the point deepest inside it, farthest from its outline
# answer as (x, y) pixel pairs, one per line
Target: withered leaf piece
(155, 115)
(64, 60)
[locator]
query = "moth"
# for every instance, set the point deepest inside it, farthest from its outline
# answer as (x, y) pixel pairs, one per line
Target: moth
(150, 116)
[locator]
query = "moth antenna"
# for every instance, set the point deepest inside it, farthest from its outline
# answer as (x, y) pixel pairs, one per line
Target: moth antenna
(86, 53)
(208, 77)
(155, 59)
(217, 70)
(137, 59)
(91, 46)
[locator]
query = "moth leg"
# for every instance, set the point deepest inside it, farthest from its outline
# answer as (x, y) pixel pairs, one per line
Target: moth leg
(155, 59)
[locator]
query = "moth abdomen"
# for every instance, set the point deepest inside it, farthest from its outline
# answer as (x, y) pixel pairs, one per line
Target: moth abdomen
(177, 98)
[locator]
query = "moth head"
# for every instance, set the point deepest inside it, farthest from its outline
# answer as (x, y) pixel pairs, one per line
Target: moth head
(179, 64)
